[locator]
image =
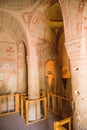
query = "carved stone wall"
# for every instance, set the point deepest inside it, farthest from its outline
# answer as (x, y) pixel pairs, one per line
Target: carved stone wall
(8, 64)
(75, 24)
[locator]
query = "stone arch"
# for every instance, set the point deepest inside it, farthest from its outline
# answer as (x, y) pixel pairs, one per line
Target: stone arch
(13, 26)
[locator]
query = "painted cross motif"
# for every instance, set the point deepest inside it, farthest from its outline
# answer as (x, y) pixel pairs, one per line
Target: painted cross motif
(81, 6)
(37, 17)
(27, 17)
(10, 51)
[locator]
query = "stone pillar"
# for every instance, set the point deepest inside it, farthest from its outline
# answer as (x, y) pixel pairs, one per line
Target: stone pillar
(40, 52)
(57, 81)
(75, 25)
(79, 90)
(33, 82)
(22, 69)
(78, 65)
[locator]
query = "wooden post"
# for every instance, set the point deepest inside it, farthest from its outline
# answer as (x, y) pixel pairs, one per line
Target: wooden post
(8, 104)
(70, 124)
(36, 109)
(44, 94)
(26, 111)
(59, 106)
(45, 109)
(48, 101)
(22, 107)
(54, 125)
(0, 105)
(16, 103)
(53, 103)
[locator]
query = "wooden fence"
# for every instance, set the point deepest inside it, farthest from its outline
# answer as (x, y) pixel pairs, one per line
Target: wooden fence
(9, 104)
(58, 104)
(20, 103)
(59, 124)
(25, 103)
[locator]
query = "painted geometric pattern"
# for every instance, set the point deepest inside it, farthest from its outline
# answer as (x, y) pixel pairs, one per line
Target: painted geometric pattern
(8, 50)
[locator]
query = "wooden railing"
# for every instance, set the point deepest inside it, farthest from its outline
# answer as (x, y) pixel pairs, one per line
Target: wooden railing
(57, 104)
(25, 103)
(59, 124)
(19, 102)
(25, 96)
(12, 103)
(9, 104)
(42, 93)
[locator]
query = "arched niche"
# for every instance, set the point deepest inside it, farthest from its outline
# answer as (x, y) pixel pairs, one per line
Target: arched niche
(64, 62)
(11, 32)
(49, 75)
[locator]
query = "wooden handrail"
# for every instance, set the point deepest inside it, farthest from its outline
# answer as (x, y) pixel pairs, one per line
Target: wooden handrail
(63, 122)
(39, 99)
(26, 109)
(5, 96)
(0, 105)
(17, 102)
(21, 100)
(51, 100)
(8, 109)
(49, 93)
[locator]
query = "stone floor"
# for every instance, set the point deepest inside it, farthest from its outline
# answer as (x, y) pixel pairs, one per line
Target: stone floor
(15, 122)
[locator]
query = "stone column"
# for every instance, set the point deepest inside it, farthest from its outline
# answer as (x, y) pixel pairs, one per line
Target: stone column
(75, 25)
(57, 81)
(40, 52)
(22, 69)
(78, 65)
(33, 82)
(79, 81)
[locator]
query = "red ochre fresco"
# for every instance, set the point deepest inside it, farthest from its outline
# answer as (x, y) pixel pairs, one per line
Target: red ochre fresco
(8, 59)
(73, 48)
(20, 49)
(81, 5)
(78, 18)
(32, 32)
(10, 51)
(65, 17)
(17, 5)
(78, 61)
(27, 17)
(6, 42)
(84, 23)
(36, 19)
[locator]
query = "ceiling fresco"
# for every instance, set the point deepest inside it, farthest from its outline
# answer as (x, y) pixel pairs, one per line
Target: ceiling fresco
(22, 4)
(17, 4)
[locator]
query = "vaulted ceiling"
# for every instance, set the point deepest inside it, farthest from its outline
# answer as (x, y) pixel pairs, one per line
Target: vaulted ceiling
(16, 4)
(53, 15)
(53, 11)
(11, 25)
